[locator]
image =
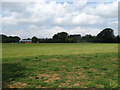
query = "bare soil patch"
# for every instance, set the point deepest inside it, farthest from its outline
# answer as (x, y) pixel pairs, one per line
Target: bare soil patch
(53, 59)
(16, 85)
(50, 77)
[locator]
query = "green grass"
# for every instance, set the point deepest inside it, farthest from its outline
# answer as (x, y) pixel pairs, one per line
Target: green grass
(60, 65)
(22, 50)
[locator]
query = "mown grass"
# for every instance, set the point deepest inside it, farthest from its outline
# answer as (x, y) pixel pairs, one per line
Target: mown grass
(22, 50)
(75, 66)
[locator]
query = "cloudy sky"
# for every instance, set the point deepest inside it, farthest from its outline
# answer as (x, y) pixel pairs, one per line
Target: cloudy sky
(46, 18)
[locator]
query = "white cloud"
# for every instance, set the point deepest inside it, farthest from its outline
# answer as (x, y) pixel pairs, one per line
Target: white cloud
(44, 19)
(114, 25)
(84, 19)
(15, 6)
(109, 10)
(9, 20)
(43, 32)
(84, 31)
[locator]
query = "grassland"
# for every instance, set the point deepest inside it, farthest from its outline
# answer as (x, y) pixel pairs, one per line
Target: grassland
(60, 65)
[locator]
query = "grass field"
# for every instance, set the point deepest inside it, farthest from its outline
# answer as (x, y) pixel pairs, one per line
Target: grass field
(60, 65)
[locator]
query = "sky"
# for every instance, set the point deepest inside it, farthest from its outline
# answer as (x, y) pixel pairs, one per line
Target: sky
(48, 17)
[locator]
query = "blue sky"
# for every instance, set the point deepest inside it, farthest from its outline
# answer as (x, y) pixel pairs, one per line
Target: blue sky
(44, 19)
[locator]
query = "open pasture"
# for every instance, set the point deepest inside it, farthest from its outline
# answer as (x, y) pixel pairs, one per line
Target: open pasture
(60, 65)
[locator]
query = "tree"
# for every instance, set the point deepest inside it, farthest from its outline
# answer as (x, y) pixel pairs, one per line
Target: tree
(28, 39)
(60, 37)
(75, 38)
(10, 39)
(118, 39)
(106, 36)
(89, 38)
(35, 39)
(3, 38)
(13, 39)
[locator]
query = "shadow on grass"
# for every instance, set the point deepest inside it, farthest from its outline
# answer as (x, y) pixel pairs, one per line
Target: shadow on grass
(11, 72)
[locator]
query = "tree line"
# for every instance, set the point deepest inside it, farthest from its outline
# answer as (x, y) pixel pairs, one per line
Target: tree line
(9, 39)
(105, 36)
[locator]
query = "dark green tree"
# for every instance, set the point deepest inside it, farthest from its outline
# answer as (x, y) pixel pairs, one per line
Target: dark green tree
(3, 38)
(10, 39)
(13, 39)
(28, 39)
(106, 36)
(75, 38)
(35, 39)
(60, 37)
(89, 38)
(118, 39)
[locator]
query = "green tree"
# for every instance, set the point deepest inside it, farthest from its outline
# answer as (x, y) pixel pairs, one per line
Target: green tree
(3, 38)
(89, 38)
(118, 39)
(60, 37)
(13, 39)
(106, 36)
(10, 39)
(74, 38)
(35, 39)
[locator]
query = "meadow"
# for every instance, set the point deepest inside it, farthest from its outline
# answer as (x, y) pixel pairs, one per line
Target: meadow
(60, 65)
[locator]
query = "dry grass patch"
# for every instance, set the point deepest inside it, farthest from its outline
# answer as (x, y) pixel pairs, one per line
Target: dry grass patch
(66, 84)
(114, 59)
(70, 84)
(92, 69)
(16, 85)
(80, 75)
(53, 59)
(50, 77)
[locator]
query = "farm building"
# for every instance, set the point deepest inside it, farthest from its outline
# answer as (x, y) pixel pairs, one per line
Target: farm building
(25, 41)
